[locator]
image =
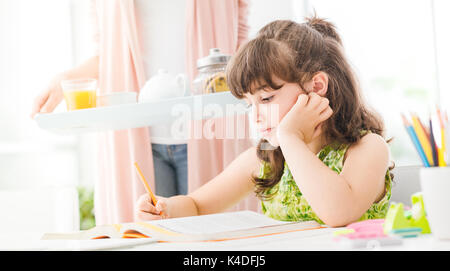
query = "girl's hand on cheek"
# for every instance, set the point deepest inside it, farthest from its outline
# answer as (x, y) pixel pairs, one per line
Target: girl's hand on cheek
(305, 117)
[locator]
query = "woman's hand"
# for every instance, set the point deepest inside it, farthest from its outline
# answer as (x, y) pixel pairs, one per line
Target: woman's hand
(50, 97)
(145, 210)
(305, 117)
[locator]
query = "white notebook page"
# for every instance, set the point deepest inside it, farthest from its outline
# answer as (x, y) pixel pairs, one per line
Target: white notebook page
(216, 223)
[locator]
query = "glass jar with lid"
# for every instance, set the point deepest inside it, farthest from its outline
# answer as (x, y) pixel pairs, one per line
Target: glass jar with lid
(211, 73)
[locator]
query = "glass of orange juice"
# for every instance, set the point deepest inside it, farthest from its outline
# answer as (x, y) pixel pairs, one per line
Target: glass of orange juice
(80, 93)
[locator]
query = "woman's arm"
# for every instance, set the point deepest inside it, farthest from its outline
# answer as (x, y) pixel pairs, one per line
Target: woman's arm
(339, 199)
(50, 97)
(243, 26)
(224, 191)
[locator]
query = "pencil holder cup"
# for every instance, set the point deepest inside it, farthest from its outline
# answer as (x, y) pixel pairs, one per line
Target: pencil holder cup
(435, 184)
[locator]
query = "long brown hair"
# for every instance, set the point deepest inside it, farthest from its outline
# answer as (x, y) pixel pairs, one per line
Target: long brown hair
(294, 53)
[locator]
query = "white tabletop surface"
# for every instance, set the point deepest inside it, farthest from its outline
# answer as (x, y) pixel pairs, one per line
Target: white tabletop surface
(315, 240)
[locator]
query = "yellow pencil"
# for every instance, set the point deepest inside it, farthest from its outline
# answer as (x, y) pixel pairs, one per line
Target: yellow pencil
(442, 149)
(147, 186)
(424, 141)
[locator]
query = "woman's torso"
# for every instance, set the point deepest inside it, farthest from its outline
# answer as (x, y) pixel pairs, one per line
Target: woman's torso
(161, 27)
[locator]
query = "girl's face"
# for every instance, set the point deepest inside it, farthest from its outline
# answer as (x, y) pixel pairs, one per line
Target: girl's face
(268, 107)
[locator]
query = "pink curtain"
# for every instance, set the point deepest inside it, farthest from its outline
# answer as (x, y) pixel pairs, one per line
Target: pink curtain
(210, 24)
(215, 24)
(121, 69)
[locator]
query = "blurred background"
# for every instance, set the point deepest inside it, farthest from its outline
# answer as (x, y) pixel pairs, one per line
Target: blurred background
(397, 47)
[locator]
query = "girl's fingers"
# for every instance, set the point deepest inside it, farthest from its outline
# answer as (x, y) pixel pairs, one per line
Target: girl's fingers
(147, 216)
(314, 100)
(161, 205)
(302, 99)
(325, 114)
(145, 205)
(146, 210)
(323, 104)
(320, 106)
(148, 207)
(161, 208)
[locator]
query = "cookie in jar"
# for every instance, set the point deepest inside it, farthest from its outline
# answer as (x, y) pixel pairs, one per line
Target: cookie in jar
(211, 73)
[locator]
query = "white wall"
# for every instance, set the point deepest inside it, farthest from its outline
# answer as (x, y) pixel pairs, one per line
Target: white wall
(442, 22)
(262, 12)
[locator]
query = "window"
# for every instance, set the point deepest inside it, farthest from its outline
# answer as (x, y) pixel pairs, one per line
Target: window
(35, 46)
(397, 48)
(38, 170)
(391, 47)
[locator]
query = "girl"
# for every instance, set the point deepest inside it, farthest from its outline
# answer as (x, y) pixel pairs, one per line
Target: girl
(322, 156)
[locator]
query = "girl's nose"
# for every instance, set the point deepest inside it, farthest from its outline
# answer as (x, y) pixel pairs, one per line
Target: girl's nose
(267, 114)
(255, 117)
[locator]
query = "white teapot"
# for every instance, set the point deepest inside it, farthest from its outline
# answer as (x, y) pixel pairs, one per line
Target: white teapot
(163, 86)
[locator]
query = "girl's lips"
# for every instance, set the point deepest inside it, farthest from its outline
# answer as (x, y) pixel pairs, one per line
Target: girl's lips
(266, 131)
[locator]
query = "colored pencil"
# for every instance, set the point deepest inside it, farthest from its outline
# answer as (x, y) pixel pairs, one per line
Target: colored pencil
(146, 185)
(424, 128)
(415, 141)
(447, 137)
(434, 149)
(423, 139)
(441, 149)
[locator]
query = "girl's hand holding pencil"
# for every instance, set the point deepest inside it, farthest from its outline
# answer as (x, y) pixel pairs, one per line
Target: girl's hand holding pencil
(148, 211)
(150, 207)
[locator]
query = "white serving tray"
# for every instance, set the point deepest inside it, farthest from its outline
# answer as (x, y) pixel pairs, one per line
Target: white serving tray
(136, 115)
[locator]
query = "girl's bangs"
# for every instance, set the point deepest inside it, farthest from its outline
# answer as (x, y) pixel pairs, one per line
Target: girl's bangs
(256, 64)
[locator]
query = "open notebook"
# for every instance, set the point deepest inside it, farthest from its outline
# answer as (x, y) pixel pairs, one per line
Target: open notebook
(215, 227)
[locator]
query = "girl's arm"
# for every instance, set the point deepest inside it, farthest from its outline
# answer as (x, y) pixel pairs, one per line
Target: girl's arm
(339, 199)
(224, 191)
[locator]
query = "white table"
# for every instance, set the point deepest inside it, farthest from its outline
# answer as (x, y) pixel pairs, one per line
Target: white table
(312, 240)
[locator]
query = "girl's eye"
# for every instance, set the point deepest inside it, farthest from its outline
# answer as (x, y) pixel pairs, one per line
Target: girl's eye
(268, 99)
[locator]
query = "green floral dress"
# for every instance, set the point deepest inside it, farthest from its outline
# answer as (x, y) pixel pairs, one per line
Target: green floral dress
(288, 204)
